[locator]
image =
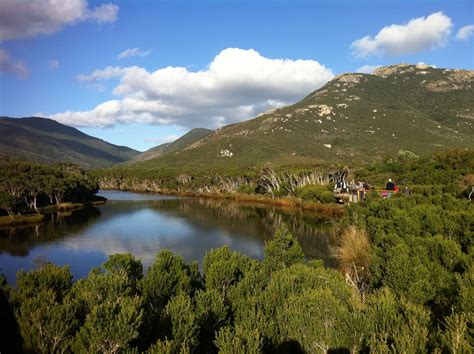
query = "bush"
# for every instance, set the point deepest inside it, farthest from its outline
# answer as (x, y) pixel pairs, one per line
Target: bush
(283, 251)
(316, 193)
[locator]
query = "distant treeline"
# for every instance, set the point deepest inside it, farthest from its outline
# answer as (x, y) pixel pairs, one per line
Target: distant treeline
(25, 186)
(441, 171)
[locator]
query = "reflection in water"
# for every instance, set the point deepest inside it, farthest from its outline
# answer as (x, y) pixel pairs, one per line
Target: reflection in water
(141, 225)
(17, 241)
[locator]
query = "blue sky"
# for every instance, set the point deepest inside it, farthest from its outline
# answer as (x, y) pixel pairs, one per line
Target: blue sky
(222, 57)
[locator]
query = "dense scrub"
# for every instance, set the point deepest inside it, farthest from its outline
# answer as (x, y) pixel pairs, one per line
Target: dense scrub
(25, 187)
(313, 184)
(280, 304)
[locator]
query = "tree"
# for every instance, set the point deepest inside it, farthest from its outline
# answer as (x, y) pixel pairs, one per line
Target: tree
(239, 340)
(283, 250)
(224, 268)
(184, 323)
(9, 203)
(47, 325)
(111, 326)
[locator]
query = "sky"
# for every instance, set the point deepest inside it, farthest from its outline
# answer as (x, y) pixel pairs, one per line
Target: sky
(140, 73)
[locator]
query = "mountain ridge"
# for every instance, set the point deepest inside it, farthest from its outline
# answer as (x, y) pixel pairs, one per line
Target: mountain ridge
(354, 117)
(45, 140)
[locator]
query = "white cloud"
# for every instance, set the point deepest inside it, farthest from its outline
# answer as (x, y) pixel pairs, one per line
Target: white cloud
(237, 85)
(162, 139)
(103, 13)
(102, 74)
(9, 65)
(20, 19)
(133, 52)
(367, 69)
(53, 64)
(417, 35)
(465, 33)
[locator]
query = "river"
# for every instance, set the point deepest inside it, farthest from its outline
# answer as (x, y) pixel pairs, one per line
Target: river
(142, 224)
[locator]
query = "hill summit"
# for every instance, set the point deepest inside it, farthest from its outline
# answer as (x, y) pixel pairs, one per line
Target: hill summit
(354, 117)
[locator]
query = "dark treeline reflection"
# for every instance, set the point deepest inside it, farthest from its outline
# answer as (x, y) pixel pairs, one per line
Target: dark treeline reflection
(17, 241)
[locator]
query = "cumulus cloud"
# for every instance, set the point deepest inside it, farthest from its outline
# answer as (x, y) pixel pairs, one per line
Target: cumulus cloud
(21, 19)
(9, 65)
(464, 33)
(53, 64)
(367, 69)
(238, 84)
(133, 52)
(417, 35)
(102, 74)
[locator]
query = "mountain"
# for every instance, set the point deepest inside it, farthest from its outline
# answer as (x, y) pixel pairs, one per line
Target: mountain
(45, 140)
(353, 118)
(187, 139)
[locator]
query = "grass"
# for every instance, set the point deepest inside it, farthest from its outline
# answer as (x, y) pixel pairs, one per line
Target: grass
(69, 206)
(18, 220)
(354, 249)
(354, 253)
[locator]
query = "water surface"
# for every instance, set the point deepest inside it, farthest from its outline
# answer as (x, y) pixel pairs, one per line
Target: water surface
(142, 224)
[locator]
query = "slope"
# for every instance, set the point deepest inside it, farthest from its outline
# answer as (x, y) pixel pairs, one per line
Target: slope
(187, 139)
(353, 118)
(45, 140)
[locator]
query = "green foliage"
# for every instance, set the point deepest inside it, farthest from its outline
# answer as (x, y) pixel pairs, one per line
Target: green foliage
(315, 319)
(127, 264)
(316, 193)
(168, 276)
(212, 314)
(184, 323)
(9, 203)
(48, 277)
(47, 325)
(224, 268)
(238, 340)
(111, 326)
(456, 337)
(397, 325)
(27, 186)
(283, 251)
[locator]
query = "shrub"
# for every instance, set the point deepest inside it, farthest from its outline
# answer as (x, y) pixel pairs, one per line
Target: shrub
(283, 251)
(317, 193)
(354, 253)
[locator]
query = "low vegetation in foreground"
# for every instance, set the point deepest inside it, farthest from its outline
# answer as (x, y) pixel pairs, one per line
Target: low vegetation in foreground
(28, 190)
(405, 284)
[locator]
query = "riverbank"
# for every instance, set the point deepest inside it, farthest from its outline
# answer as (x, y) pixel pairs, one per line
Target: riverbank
(32, 219)
(329, 210)
(71, 206)
(21, 220)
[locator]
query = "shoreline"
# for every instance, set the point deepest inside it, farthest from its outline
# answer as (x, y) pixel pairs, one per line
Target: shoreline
(332, 210)
(34, 219)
